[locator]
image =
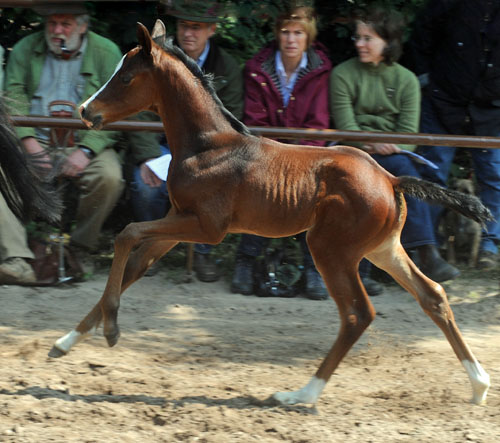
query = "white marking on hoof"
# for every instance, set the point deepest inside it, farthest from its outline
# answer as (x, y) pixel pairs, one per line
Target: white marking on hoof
(308, 394)
(66, 342)
(479, 379)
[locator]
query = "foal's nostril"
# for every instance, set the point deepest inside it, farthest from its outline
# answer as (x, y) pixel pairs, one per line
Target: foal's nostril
(82, 111)
(97, 121)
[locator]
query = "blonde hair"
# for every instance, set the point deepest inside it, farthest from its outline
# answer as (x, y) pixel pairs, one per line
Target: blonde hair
(304, 15)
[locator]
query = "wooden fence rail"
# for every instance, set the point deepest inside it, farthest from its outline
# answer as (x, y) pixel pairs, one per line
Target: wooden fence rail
(284, 133)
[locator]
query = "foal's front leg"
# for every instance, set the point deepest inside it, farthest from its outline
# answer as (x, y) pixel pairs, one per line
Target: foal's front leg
(155, 238)
(92, 320)
(139, 261)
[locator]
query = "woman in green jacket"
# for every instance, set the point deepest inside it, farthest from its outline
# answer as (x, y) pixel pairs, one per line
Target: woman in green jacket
(372, 92)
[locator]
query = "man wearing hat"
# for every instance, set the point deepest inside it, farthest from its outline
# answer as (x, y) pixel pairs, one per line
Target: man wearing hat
(68, 62)
(196, 23)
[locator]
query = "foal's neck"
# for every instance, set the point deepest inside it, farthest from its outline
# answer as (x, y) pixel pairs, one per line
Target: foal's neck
(189, 113)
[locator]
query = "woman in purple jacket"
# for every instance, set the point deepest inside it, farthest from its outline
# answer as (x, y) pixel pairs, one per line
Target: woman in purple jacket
(286, 84)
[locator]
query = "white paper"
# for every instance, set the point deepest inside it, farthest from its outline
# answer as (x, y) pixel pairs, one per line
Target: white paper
(160, 166)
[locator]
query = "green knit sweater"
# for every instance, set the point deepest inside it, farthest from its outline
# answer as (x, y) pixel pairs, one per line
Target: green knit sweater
(364, 97)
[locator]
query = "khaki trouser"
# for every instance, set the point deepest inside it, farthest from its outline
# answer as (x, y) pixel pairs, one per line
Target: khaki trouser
(100, 188)
(13, 241)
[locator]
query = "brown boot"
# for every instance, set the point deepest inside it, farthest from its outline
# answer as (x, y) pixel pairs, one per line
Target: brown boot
(84, 262)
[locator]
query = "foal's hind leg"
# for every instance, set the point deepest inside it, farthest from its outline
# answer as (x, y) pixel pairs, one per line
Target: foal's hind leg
(355, 309)
(137, 264)
(392, 258)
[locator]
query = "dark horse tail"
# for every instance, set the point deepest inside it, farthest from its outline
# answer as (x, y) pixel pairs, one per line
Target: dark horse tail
(468, 205)
(25, 193)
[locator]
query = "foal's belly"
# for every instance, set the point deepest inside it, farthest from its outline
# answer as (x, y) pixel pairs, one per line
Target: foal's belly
(274, 217)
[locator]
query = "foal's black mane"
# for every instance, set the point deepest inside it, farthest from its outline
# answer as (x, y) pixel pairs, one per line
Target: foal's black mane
(206, 81)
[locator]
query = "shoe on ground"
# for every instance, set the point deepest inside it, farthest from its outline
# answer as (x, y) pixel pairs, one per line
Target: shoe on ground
(434, 266)
(243, 282)
(372, 287)
(205, 267)
(487, 260)
(315, 286)
(441, 271)
(16, 271)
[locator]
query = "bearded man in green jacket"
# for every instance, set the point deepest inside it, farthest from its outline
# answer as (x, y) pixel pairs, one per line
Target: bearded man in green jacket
(68, 62)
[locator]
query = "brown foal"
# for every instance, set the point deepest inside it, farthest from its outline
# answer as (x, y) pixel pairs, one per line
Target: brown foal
(224, 180)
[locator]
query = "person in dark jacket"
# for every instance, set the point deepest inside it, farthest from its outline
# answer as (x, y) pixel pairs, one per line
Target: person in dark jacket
(286, 84)
(455, 52)
(196, 23)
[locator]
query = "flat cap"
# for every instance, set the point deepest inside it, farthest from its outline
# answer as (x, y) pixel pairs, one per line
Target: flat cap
(51, 8)
(201, 11)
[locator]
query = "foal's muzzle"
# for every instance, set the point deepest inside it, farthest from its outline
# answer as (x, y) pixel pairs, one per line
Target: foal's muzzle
(92, 121)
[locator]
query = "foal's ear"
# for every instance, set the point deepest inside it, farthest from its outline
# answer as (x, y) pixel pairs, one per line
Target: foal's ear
(159, 34)
(143, 37)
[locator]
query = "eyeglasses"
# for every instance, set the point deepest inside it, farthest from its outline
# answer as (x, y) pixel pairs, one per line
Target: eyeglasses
(363, 39)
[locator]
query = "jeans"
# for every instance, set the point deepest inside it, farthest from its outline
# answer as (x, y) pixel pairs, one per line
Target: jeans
(150, 203)
(418, 229)
(252, 245)
(487, 170)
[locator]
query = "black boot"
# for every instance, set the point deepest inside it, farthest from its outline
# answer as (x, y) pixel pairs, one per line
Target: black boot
(315, 287)
(205, 267)
(242, 282)
(434, 266)
(372, 287)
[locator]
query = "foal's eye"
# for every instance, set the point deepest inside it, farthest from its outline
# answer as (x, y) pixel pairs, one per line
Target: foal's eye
(126, 78)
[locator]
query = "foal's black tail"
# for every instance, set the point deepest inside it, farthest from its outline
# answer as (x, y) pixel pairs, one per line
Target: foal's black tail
(26, 195)
(468, 205)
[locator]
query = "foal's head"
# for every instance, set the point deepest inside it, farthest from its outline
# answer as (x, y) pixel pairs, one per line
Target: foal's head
(129, 90)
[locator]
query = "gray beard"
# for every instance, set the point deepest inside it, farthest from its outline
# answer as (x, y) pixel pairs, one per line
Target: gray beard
(71, 44)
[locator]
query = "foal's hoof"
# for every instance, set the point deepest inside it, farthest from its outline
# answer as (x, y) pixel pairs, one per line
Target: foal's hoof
(276, 401)
(271, 401)
(113, 337)
(56, 352)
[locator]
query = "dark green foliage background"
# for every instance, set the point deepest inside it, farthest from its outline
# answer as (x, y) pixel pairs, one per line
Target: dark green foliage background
(247, 28)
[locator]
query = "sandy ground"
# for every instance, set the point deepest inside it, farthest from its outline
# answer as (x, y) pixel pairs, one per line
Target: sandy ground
(195, 361)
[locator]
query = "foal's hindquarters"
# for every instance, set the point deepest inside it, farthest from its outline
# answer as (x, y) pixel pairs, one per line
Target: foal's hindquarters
(357, 215)
(377, 218)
